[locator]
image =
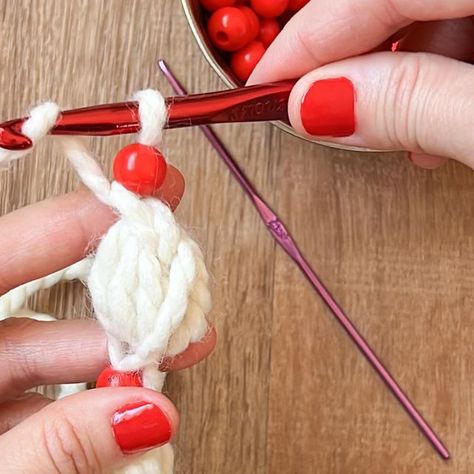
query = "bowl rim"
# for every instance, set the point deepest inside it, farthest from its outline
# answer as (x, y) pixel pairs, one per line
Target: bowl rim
(206, 51)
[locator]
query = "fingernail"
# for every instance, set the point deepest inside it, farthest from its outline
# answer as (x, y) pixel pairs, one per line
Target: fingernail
(327, 109)
(140, 426)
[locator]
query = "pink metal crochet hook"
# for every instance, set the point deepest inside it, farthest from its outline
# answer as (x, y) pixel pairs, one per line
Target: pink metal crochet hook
(284, 239)
(247, 104)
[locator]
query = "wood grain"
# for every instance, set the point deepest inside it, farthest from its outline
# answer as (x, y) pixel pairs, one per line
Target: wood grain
(285, 391)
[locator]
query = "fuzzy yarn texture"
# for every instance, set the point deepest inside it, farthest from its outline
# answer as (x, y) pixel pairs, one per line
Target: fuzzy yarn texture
(147, 279)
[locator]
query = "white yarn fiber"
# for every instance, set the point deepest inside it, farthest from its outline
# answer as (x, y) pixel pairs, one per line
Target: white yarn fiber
(147, 280)
(42, 118)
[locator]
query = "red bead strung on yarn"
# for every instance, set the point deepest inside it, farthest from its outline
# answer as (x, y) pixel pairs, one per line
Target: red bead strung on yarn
(112, 378)
(140, 168)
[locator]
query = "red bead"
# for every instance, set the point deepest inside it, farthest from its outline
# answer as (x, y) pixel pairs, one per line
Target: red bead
(140, 168)
(229, 28)
(269, 8)
(269, 29)
(254, 24)
(243, 62)
(286, 17)
(294, 5)
(212, 5)
(112, 378)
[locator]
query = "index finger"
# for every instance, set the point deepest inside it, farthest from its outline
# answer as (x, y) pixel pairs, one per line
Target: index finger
(77, 352)
(42, 238)
(325, 31)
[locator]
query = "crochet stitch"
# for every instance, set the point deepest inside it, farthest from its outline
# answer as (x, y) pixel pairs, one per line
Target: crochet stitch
(147, 279)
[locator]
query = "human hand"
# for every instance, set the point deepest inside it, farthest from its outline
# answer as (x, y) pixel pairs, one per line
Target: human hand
(420, 102)
(75, 434)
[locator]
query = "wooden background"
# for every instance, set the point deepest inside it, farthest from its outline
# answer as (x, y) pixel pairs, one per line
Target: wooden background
(285, 391)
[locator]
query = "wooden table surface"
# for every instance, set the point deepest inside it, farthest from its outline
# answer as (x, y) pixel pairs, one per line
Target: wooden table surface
(285, 391)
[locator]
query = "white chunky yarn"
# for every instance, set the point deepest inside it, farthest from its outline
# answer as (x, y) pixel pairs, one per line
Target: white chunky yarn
(41, 120)
(147, 280)
(14, 300)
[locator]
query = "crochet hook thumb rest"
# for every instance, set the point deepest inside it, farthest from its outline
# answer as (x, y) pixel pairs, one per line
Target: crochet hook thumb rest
(266, 102)
(282, 236)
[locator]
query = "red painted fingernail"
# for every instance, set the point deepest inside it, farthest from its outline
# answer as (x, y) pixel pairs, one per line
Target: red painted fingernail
(140, 426)
(327, 108)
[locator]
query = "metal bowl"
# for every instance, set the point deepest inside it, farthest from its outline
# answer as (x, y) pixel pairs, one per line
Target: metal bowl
(195, 19)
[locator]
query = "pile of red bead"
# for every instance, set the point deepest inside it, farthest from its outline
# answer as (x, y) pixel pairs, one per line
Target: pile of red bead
(243, 29)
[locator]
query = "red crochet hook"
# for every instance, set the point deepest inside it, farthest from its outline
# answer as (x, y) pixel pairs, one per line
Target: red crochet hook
(259, 103)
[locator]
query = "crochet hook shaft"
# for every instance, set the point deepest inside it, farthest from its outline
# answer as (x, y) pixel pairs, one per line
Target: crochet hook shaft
(285, 240)
(246, 104)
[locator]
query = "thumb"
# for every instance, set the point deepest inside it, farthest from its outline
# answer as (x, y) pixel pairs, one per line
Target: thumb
(418, 102)
(89, 432)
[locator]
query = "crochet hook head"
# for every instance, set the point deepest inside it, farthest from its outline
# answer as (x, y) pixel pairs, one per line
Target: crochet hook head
(11, 137)
(267, 102)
